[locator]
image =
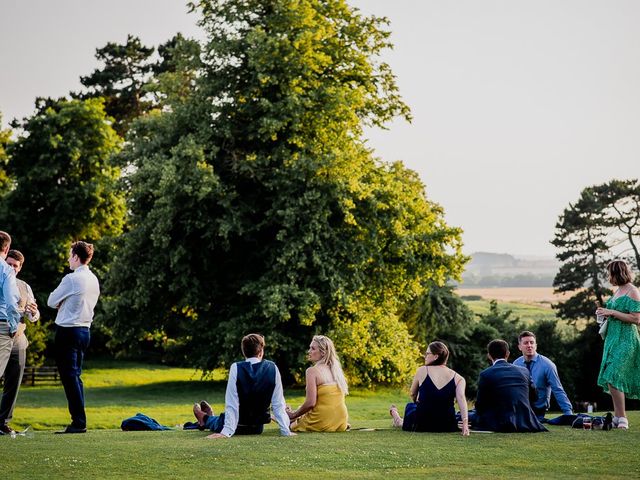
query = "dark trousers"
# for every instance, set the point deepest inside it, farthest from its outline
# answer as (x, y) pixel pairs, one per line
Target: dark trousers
(13, 378)
(71, 344)
(215, 423)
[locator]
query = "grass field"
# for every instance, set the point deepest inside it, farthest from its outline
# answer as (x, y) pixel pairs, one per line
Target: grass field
(531, 295)
(119, 391)
(528, 313)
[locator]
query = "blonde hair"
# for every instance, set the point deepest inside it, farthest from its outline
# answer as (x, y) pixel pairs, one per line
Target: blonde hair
(331, 360)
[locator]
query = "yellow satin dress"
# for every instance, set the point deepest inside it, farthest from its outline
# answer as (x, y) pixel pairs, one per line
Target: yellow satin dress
(329, 414)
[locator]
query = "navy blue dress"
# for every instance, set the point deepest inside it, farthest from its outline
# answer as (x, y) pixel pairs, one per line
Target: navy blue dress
(433, 412)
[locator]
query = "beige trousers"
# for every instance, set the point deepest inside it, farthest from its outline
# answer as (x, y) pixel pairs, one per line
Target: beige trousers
(6, 344)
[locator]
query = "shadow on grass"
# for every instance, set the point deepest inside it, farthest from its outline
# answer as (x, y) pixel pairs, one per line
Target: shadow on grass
(155, 394)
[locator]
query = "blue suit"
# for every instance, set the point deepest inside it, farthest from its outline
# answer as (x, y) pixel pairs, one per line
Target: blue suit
(502, 404)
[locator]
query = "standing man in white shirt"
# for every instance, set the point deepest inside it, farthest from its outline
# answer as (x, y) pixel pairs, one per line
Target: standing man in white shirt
(75, 298)
(253, 385)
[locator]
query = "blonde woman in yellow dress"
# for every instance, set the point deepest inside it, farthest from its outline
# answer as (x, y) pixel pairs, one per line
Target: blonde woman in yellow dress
(324, 408)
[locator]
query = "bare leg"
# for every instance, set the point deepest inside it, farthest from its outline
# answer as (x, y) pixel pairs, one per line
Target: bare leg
(397, 419)
(618, 401)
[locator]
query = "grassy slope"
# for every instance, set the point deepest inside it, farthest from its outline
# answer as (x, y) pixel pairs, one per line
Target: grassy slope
(167, 394)
(528, 313)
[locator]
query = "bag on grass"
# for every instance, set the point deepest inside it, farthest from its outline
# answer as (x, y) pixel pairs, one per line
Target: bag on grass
(597, 423)
(141, 422)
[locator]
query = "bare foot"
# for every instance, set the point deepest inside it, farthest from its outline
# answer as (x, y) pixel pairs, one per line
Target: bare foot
(197, 411)
(206, 408)
(397, 419)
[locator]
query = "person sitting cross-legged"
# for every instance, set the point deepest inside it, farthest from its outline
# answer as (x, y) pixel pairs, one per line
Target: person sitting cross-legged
(253, 385)
(544, 375)
(503, 400)
(324, 408)
(433, 390)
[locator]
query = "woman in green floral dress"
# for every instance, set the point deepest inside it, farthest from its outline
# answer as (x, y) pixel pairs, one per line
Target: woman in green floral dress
(620, 367)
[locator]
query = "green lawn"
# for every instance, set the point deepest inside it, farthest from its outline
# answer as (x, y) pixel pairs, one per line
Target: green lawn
(168, 393)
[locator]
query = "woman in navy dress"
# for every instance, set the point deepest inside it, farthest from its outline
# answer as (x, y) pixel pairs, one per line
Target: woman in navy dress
(434, 388)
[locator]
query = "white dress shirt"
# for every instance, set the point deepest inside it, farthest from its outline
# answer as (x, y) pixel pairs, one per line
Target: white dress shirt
(232, 403)
(75, 298)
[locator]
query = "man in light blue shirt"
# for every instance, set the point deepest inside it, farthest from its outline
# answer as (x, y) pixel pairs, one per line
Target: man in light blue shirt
(15, 367)
(9, 299)
(544, 375)
(75, 298)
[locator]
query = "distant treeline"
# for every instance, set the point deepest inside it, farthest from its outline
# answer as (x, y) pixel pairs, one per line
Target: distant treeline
(524, 280)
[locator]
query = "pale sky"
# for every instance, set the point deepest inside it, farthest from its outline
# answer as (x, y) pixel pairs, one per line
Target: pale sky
(518, 105)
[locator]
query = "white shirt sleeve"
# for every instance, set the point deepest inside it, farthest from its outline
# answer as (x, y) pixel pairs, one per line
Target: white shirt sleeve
(278, 406)
(64, 290)
(232, 403)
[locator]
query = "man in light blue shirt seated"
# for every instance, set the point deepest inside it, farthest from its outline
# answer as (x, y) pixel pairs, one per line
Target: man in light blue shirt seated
(544, 375)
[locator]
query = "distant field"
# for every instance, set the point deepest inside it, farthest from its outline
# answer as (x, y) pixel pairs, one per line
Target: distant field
(527, 312)
(534, 295)
(529, 304)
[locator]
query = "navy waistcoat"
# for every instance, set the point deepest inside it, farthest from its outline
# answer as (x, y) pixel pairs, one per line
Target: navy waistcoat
(255, 384)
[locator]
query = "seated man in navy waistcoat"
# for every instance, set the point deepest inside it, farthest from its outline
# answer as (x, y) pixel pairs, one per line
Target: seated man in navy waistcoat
(253, 385)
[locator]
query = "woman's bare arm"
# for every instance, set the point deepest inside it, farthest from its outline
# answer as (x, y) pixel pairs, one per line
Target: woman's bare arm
(415, 385)
(311, 396)
(462, 403)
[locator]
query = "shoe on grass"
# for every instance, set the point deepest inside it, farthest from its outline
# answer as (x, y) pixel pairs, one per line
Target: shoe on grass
(6, 430)
(72, 429)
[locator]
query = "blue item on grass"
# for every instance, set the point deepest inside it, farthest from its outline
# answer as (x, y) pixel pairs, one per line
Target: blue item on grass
(141, 422)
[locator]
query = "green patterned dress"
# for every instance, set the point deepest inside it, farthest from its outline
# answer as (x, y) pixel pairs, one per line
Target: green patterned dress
(620, 365)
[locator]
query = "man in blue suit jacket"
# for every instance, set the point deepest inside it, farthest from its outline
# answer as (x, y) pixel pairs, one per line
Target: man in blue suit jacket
(502, 404)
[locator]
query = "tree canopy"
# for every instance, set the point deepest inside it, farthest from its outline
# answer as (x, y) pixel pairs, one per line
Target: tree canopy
(63, 186)
(255, 204)
(604, 223)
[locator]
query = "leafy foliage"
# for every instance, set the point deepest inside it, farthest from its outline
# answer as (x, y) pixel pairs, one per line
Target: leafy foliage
(603, 223)
(126, 69)
(256, 206)
(63, 187)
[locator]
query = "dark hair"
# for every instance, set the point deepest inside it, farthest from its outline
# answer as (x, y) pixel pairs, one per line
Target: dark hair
(619, 272)
(526, 333)
(5, 240)
(252, 345)
(16, 255)
(83, 250)
(498, 349)
(441, 350)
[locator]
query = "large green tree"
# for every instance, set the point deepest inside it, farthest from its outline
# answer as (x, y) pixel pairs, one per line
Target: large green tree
(620, 210)
(257, 206)
(5, 140)
(581, 237)
(602, 224)
(124, 72)
(63, 187)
